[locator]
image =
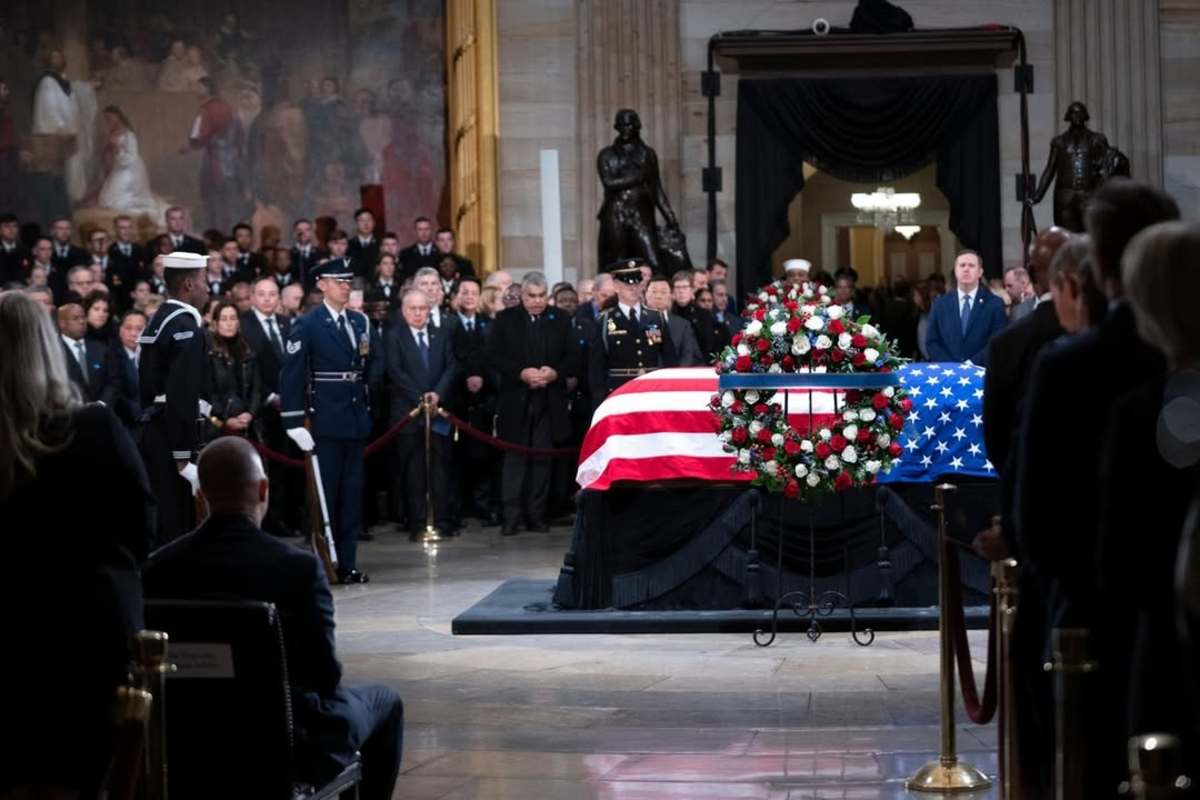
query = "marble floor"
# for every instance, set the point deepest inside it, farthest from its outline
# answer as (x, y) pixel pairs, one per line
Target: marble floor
(629, 717)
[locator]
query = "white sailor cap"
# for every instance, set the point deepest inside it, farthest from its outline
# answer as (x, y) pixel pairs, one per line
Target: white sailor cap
(797, 265)
(181, 260)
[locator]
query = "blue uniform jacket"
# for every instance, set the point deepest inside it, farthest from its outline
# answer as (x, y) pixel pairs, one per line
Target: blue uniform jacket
(324, 378)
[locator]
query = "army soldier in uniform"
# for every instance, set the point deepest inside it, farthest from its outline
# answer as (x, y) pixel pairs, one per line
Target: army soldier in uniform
(630, 339)
(327, 365)
(171, 373)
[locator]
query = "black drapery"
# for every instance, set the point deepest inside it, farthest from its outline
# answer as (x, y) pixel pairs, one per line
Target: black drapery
(865, 130)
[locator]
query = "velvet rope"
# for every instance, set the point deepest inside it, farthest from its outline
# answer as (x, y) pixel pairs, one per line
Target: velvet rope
(370, 449)
(979, 712)
(500, 444)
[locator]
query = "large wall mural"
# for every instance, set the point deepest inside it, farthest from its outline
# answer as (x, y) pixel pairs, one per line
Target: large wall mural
(263, 112)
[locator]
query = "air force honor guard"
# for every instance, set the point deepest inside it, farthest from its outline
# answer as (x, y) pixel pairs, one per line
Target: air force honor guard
(172, 366)
(630, 339)
(324, 376)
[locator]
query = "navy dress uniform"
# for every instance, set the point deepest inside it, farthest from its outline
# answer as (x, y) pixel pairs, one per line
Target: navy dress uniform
(628, 342)
(172, 366)
(327, 366)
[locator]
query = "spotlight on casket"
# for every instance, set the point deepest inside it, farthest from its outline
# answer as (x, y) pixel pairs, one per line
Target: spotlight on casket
(820, 26)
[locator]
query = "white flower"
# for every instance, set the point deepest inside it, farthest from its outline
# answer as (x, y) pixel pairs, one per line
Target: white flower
(800, 344)
(871, 354)
(808, 309)
(823, 342)
(850, 415)
(753, 328)
(832, 463)
(889, 391)
(777, 439)
(762, 296)
(814, 323)
(884, 440)
(743, 456)
(850, 455)
(835, 312)
(819, 370)
(775, 368)
(825, 434)
(743, 350)
(727, 399)
(801, 470)
(813, 479)
(725, 436)
(806, 446)
(850, 432)
(779, 329)
(872, 466)
(869, 331)
(751, 397)
(843, 339)
(755, 427)
(770, 467)
(867, 415)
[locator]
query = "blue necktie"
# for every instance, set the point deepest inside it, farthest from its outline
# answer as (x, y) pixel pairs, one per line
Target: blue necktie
(966, 312)
(423, 347)
(345, 331)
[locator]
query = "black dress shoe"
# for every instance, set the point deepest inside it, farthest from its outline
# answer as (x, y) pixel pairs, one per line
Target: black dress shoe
(353, 576)
(510, 529)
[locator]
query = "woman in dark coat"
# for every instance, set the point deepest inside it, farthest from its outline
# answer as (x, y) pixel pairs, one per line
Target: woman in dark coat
(78, 519)
(235, 387)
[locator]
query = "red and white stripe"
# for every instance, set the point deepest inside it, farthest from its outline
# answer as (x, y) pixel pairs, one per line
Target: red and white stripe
(658, 427)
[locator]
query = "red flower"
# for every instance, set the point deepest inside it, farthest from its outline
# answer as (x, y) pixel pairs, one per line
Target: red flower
(791, 447)
(714, 402)
(880, 401)
(864, 434)
(837, 356)
(858, 340)
(885, 369)
(763, 345)
(794, 324)
(836, 326)
(768, 454)
(739, 435)
(906, 405)
(766, 360)
(791, 305)
(896, 421)
(894, 449)
(791, 489)
(838, 443)
(760, 408)
(764, 436)
(843, 481)
(771, 290)
(737, 337)
(858, 360)
(823, 450)
(742, 364)
(853, 396)
(760, 314)
(788, 363)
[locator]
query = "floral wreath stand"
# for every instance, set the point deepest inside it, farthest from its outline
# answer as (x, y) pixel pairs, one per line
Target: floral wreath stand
(807, 602)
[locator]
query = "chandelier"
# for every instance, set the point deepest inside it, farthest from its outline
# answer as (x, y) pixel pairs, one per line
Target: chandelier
(885, 208)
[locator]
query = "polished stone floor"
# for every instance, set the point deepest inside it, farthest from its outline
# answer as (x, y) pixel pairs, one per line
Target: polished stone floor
(629, 717)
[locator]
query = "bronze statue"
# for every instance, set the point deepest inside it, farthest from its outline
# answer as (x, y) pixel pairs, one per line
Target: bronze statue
(1080, 160)
(632, 190)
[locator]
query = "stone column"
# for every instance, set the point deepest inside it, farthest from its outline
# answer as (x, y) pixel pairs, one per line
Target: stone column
(1106, 55)
(628, 57)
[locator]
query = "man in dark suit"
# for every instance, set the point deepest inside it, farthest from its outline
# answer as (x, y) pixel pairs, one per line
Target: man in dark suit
(305, 253)
(684, 350)
(363, 248)
(181, 240)
(229, 556)
(123, 359)
(532, 352)
(962, 322)
(474, 400)
(127, 260)
(421, 253)
(249, 263)
(66, 255)
(421, 368)
(445, 247)
(602, 291)
(683, 305)
(1057, 486)
(12, 255)
(87, 359)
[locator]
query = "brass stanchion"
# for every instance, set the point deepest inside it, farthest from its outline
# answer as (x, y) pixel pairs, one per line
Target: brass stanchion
(150, 673)
(1070, 665)
(948, 774)
(1156, 767)
(1005, 573)
(131, 716)
(431, 533)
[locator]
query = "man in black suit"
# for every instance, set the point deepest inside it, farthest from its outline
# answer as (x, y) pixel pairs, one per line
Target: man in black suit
(1057, 482)
(532, 351)
(181, 240)
(421, 253)
(66, 255)
(229, 556)
(421, 367)
(12, 255)
(232, 270)
(128, 261)
(474, 400)
(305, 253)
(249, 262)
(87, 359)
(123, 360)
(363, 248)
(683, 304)
(41, 258)
(445, 247)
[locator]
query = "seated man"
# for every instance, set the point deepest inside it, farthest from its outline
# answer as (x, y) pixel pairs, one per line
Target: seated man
(230, 557)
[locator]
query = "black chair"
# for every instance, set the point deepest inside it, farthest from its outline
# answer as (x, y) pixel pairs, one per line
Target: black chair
(228, 706)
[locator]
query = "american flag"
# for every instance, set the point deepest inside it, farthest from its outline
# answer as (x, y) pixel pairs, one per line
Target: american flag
(658, 428)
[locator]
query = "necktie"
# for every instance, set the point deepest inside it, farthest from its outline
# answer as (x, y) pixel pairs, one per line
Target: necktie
(276, 343)
(423, 347)
(966, 312)
(125, 250)
(633, 315)
(345, 331)
(81, 356)
(470, 325)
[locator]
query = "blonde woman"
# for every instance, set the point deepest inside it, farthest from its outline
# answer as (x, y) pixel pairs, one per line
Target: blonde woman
(78, 519)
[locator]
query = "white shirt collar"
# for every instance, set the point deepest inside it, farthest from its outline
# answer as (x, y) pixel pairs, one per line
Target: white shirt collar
(263, 319)
(465, 317)
(134, 353)
(72, 344)
(626, 309)
(418, 331)
(334, 313)
(971, 294)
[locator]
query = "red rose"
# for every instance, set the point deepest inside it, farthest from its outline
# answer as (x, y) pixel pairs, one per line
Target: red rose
(858, 360)
(737, 407)
(742, 364)
(766, 360)
(894, 449)
(771, 290)
(763, 345)
(788, 363)
(791, 489)
(837, 356)
(714, 402)
(896, 421)
(885, 369)
(836, 326)
(864, 434)
(880, 401)
(843, 481)
(858, 340)
(823, 450)
(768, 454)
(760, 408)
(853, 396)
(838, 443)
(764, 436)
(791, 305)
(760, 314)
(794, 324)
(737, 337)
(791, 447)
(738, 435)
(906, 405)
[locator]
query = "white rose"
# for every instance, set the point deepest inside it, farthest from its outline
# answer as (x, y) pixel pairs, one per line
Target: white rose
(727, 399)
(779, 329)
(751, 396)
(814, 323)
(843, 339)
(870, 331)
(743, 350)
(775, 368)
(850, 432)
(800, 345)
(850, 455)
(808, 309)
(823, 342)
(867, 415)
(889, 391)
(777, 439)
(872, 466)
(813, 479)
(753, 328)
(850, 415)
(725, 436)
(762, 296)
(806, 446)
(832, 463)
(770, 467)
(825, 434)
(755, 427)
(743, 456)
(871, 354)
(884, 440)
(835, 312)
(801, 470)
(819, 370)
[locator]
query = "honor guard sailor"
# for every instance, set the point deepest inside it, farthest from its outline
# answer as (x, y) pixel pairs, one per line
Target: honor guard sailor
(327, 364)
(171, 374)
(630, 339)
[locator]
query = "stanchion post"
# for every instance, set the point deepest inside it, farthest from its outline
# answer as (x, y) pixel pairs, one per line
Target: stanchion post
(1006, 574)
(1070, 667)
(150, 672)
(947, 774)
(1156, 768)
(431, 533)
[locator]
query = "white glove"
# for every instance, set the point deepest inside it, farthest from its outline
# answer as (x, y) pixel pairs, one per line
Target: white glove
(189, 474)
(302, 438)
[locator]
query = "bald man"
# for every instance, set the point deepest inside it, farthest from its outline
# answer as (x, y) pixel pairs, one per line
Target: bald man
(229, 556)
